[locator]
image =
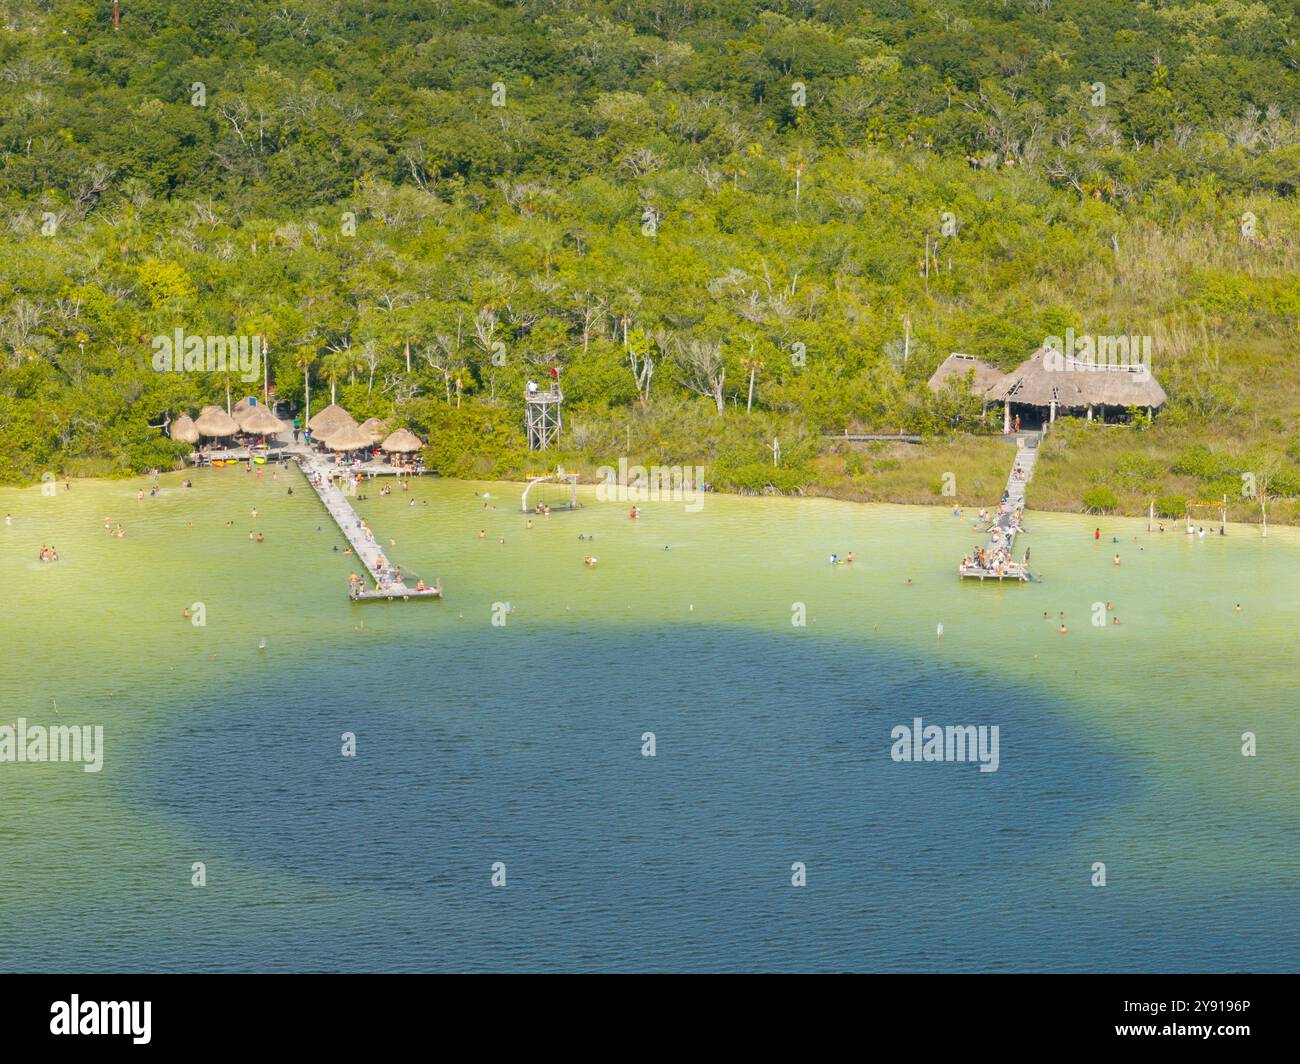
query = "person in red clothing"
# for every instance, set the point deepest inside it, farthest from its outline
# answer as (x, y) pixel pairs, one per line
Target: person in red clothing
(1097, 534)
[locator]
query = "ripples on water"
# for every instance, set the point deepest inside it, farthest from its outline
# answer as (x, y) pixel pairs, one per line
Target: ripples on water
(522, 745)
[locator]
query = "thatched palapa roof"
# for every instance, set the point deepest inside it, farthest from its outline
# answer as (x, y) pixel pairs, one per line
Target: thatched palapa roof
(1048, 376)
(331, 418)
(347, 438)
(245, 404)
(403, 441)
(183, 429)
(955, 365)
(374, 428)
(260, 420)
(216, 422)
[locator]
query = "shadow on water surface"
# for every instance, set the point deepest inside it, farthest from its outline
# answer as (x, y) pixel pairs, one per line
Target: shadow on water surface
(525, 748)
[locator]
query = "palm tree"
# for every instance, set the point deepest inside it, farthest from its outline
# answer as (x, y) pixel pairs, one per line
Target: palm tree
(303, 358)
(338, 362)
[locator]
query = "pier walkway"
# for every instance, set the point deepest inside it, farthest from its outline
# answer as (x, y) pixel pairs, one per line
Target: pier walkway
(1004, 529)
(319, 472)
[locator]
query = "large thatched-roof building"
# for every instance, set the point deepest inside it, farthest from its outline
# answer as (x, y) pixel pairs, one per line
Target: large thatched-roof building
(1049, 383)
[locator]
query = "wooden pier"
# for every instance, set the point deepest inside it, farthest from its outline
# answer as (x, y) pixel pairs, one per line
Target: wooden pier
(1003, 530)
(319, 473)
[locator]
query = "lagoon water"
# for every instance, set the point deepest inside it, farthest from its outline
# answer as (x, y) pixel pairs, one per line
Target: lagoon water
(522, 743)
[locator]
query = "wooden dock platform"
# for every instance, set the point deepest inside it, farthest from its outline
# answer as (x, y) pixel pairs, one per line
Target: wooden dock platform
(320, 471)
(1003, 530)
(321, 474)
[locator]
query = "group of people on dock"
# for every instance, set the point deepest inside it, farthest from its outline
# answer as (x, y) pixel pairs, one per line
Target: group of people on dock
(995, 559)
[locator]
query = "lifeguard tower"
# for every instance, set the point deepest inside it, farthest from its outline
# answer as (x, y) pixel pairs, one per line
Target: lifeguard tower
(542, 414)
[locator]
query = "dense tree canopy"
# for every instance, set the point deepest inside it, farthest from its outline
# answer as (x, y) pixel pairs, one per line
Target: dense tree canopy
(786, 212)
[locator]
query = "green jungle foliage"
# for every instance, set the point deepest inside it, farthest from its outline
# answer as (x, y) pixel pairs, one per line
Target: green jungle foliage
(725, 222)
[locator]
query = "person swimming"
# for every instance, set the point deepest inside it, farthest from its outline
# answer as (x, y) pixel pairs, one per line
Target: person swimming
(590, 561)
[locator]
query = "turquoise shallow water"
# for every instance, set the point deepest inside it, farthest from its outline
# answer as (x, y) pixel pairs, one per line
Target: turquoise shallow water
(522, 744)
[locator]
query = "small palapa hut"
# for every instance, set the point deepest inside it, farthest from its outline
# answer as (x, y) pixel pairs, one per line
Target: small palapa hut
(260, 421)
(403, 441)
(216, 422)
(374, 428)
(331, 419)
(955, 365)
(347, 438)
(183, 429)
